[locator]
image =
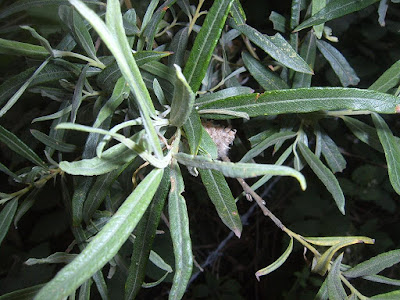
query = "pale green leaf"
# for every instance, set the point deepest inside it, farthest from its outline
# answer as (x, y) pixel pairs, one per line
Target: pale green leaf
(336, 290)
(388, 79)
(6, 217)
(317, 5)
(395, 295)
(237, 12)
(278, 21)
(55, 258)
(17, 48)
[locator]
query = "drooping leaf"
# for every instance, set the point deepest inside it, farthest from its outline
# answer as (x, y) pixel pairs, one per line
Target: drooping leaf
(374, 265)
(106, 243)
(307, 100)
(391, 148)
(331, 153)
(325, 175)
(276, 264)
(266, 78)
(388, 79)
(145, 233)
(339, 64)
(335, 288)
(335, 9)
(221, 196)
(179, 227)
(276, 46)
(6, 217)
(205, 42)
(18, 146)
(239, 170)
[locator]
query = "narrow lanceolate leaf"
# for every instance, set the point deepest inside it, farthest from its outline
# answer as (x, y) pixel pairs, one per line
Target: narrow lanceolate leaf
(23, 49)
(382, 279)
(335, 288)
(18, 146)
(387, 296)
(324, 174)
(23, 294)
(106, 243)
(53, 143)
(182, 101)
(114, 37)
(307, 100)
(179, 227)
(193, 130)
(237, 12)
(387, 80)
(145, 233)
(334, 240)
(266, 78)
(276, 46)
(335, 9)
(6, 217)
(8, 172)
(331, 153)
(339, 64)
(307, 52)
(317, 5)
(82, 34)
(323, 291)
(276, 264)
(221, 196)
(374, 265)
(239, 170)
(178, 47)
(55, 258)
(391, 148)
(364, 132)
(206, 40)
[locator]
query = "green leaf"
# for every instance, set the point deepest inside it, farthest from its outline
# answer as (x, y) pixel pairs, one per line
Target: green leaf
(335, 288)
(55, 258)
(239, 170)
(25, 206)
(205, 42)
(335, 9)
(178, 46)
(106, 243)
(391, 148)
(331, 153)
(44, 42)
(6, 217)
(23, 294)
(387, 296)
(382, 279)
(335, 240)
(278, 21)
(374, 265)
(81, 189)
(17, 48)
(266, 78)
(18, 146)
(52, 143)
(323, 291)
(222, 94)
(8, 172)
(325, 175)
(339, 64)
(221, 196)
(268, 142)
(145, 233)
(82, 34)
(276, 264)
(364, 132)
(307, 52)
(193, 130)
(317, 5)
(179, 227)
(182, 101)
(22, 89)
(387, 80)
(276, 46)
(237, 12)
(307, 100)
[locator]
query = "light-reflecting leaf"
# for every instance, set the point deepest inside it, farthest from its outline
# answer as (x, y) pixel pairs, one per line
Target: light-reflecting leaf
(339, 64)
(239, 170)
(179, 228)
(388, 79)
(335, 9)
(237, 12)
(106, 243)
(18, 146)
(391, 148)
(17, 48)
(6, 217)
(334, 240)
(205, 42)
(55, 258)
(325, 175)
(323, 291)
(336, 290)
(266, 78)
(276, 264)
(374, 265)
(221, 196)
(307, 100)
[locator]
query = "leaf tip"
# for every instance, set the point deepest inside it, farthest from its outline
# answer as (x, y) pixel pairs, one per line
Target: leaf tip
(237, 232)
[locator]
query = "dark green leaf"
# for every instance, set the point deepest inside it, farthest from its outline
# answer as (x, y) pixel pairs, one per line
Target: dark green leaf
(339, 64)
(206, 40)
(278, 21)
(193, 130)
(277, 47)
(17, 48)
(335, 288)
(25, 206)
(6, 217)
(325, 175)
(395, 295)
(387, 80)
(221, 196)
(307, 52)
(237, 12)
(106, 243)
(266, 78)
(23, 294)
(52, 143)
(55, 258)
(331, 153)
(335, 9)
(178, 47)
(391, 148)
(179, 227)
